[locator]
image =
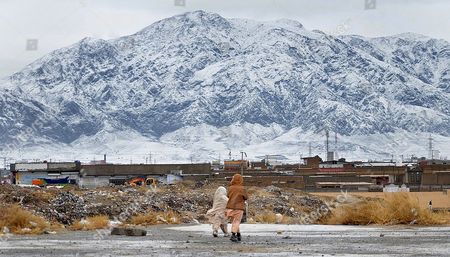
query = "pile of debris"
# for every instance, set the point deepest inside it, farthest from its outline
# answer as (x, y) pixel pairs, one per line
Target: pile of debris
(67, 206)
(288, 202)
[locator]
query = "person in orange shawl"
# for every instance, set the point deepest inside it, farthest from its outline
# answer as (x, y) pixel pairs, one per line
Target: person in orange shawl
(216, 215)
(237, 195)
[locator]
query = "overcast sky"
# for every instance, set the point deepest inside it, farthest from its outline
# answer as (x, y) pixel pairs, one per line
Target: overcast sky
(58, 23)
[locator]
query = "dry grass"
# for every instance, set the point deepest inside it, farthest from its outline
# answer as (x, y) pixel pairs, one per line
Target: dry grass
(153, 218)
(91, 223)
(394, 209)
(268, 217)
(265, 217)
(42, 196)
(20, 221)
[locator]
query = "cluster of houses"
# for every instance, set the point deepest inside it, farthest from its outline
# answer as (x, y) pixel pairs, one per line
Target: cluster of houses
(102, 174)
(317, 175)
(313, 174)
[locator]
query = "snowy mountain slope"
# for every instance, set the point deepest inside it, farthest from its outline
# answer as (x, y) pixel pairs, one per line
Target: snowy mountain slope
(203, 143)
(201, 72)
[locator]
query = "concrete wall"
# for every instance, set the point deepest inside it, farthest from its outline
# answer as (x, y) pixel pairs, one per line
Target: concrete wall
(435, 167)
(380, 170)
(436, 179)
(173, 179)
(26, 178)
(311, 180)
(93, 182)
(263, 181)
(143, 169)
(30, 166)
(62, 166)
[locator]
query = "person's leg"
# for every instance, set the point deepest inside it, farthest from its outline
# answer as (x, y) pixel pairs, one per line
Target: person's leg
(215, 226)
(239, 217)
(224, 227)
(236, 221)
(232, 215)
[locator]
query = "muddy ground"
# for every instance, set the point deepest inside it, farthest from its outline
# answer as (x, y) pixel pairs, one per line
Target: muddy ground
(259, 240)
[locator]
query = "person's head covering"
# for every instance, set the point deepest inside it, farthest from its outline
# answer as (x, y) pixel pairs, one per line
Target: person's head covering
(237, 180)
(221, 191)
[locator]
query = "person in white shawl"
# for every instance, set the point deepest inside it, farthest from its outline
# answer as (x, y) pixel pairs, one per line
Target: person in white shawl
(216, 215)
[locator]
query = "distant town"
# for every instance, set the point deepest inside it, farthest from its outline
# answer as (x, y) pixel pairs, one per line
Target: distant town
(311, 174)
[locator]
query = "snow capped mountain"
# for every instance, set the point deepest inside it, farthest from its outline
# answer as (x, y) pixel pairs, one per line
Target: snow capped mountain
(203, 84)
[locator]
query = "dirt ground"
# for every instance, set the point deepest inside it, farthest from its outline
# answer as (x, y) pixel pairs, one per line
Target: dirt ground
(258, 240)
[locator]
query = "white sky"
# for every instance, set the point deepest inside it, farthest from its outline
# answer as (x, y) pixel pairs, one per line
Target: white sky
(58, 23)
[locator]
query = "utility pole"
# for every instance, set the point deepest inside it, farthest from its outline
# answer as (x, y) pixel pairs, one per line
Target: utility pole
(300, 161)
(430, 147)
(242, 162)
(327, 135)
(335, 141)
(310, 150)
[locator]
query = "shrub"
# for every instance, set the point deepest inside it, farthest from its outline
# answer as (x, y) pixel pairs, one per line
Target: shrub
(153, 218)
(91, 223)
(394, 209)
(20, 221)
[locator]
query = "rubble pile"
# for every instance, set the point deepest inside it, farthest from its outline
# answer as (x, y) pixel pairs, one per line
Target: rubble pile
(273, 189)
(311, 202)
(66, 207)
(121, 203)
(291, 204)
(178, 203)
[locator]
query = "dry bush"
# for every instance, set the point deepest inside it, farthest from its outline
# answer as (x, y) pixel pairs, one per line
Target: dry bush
(443, 217)
(20, 221)
(153, 218)
(265, 217)
(91, 223)
(394, 209)
(268, 217)
(42, 196)
(144, 219)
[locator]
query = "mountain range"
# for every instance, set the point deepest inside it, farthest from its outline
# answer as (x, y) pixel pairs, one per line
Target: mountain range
(198, 84)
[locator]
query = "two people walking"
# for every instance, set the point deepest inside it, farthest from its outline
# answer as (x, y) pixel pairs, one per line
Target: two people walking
(229, 205)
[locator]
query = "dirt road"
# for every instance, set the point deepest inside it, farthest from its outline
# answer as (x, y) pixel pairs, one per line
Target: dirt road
(259, 240)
